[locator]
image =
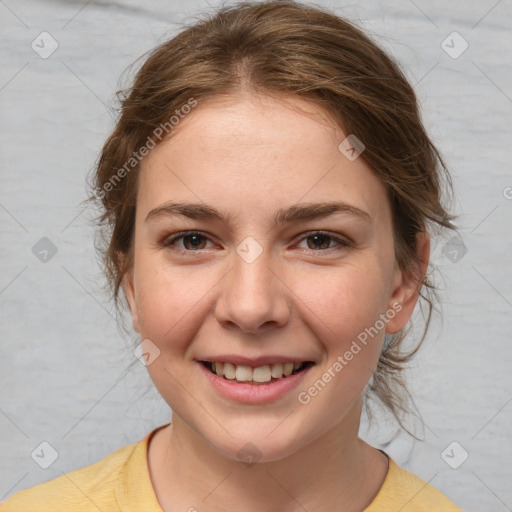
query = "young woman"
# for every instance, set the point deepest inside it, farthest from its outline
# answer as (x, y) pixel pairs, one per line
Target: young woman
(268, 192)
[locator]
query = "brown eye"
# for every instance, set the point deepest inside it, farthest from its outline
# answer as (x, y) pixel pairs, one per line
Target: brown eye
(191, 241)
(323, 242)
(194, 240)
(319, 241)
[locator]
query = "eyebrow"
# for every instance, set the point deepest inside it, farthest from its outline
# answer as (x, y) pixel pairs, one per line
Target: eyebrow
(297, 212)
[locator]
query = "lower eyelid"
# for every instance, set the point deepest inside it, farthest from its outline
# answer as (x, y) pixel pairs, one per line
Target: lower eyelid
(173, 239)
(340, 242)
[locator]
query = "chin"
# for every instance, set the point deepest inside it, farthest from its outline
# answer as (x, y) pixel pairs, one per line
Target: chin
(256, 445)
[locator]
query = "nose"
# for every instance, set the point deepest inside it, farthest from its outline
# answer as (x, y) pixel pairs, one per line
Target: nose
(253, 296)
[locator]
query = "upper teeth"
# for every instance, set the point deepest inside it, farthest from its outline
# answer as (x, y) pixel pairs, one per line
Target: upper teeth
(259, 374)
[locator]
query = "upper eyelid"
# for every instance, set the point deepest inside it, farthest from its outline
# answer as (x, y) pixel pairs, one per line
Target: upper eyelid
(338, 238)
(181, 234)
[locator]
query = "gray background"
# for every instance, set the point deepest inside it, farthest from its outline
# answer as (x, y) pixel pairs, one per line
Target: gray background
(67, 375)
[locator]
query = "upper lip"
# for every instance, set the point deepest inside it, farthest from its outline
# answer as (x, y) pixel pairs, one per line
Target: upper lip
(253, 361)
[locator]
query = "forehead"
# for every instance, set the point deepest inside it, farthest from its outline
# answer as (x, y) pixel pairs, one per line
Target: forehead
(256, 154)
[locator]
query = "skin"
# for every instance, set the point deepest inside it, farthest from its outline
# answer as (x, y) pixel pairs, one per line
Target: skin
(249, 156)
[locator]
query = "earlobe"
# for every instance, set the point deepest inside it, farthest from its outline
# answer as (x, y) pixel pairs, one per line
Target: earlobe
(407, 286)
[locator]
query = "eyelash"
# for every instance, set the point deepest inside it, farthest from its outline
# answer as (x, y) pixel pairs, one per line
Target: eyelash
(343, 243)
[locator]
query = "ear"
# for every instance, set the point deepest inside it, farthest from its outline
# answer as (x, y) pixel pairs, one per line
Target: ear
(407, 286)
(129, 292)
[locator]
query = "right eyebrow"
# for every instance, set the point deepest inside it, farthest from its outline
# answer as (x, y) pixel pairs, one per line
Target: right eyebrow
(190, 210)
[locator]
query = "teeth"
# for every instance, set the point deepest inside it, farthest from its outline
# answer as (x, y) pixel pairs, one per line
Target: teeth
(263, 373)
(277, 370)
(218, 368)
(243, 373)
(229, 370)
(287, 369)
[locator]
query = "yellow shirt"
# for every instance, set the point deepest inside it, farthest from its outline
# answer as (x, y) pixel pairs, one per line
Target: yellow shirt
(120, 482)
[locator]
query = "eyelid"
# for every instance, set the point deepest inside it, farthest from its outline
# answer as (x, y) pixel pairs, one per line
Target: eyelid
(339, 239)
(342, 241)
(169, 240)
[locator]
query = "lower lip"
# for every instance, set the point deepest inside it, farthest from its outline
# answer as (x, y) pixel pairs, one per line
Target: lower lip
(254, 393)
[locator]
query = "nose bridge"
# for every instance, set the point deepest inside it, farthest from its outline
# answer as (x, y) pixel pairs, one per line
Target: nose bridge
(251, 297)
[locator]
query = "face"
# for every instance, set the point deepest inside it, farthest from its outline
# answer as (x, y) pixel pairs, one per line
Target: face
(252, 275)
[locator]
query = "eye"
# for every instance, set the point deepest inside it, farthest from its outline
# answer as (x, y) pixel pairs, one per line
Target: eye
(192, 241)
(322, 240)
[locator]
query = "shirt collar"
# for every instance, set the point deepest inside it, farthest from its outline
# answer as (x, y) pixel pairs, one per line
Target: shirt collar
(134, 491)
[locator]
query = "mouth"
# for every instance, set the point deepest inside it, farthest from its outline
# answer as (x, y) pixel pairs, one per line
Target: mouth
(260, 375)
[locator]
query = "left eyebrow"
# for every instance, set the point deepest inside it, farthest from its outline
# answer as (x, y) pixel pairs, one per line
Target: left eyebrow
(308, 211)
(294, 213)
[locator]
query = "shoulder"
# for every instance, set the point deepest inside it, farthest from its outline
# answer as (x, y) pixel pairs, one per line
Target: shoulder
(86, 489)
(404, 491)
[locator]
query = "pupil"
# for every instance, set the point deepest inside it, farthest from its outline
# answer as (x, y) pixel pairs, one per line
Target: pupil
(321, 237)
(197, 239)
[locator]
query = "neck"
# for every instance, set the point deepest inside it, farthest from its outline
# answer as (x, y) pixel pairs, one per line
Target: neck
(336, 471)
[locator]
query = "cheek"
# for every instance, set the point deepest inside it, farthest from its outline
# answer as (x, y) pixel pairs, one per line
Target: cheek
(343, 311)
(342, 302)
(171, 311)
(169, 302)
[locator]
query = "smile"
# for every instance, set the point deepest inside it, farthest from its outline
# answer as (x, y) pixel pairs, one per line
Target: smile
(261, 374)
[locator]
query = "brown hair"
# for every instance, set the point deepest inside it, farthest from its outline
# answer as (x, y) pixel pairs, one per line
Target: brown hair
(273, 48)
